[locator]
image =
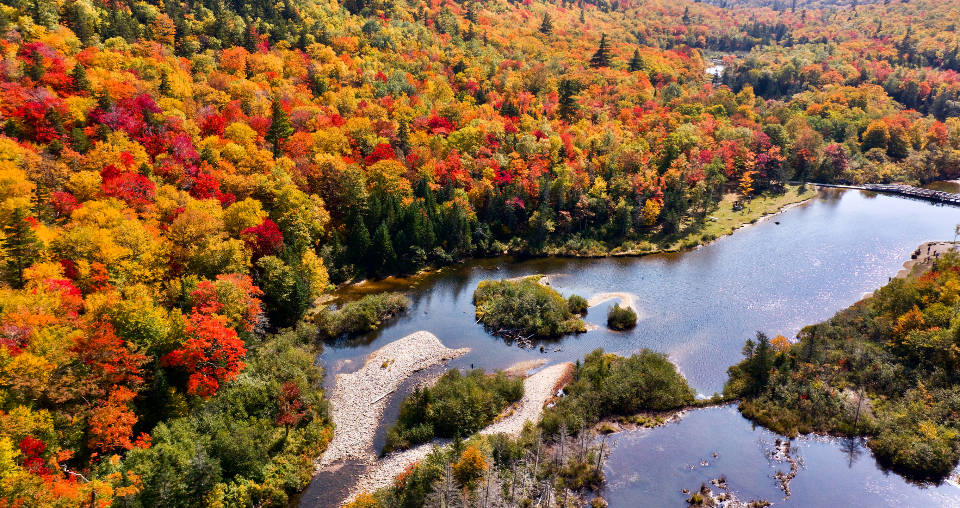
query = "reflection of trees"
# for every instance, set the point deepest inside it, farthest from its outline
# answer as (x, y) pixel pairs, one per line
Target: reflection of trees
(853, 448)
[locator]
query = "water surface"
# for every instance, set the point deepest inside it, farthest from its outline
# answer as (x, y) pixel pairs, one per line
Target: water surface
(698, 307)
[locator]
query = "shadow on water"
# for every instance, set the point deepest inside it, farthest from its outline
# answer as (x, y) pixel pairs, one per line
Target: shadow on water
(699, 306)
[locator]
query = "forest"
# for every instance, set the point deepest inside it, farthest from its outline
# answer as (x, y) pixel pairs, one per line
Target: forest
(181, 181)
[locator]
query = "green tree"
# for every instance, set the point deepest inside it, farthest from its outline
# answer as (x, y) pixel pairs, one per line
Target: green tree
(21, 247)
(280, 129)
(602, 57)
(546, 25)
(567, 103)
(383, 258)
(636, 62)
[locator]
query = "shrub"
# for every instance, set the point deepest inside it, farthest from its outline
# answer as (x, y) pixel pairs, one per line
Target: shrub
(457, 405)
(621, 318)
(524, 307)
(577, 305)
(610, 385)
(361, 316)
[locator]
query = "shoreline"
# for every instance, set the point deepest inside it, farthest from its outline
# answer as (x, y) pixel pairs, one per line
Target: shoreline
(352, 289)
(539, 389)
(360, 398)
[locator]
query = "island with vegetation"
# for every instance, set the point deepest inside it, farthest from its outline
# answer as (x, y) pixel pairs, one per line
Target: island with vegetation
(458, 405)
(524, 309)
(621, 318)
(885, 368)
(360, 316)
(556, 457)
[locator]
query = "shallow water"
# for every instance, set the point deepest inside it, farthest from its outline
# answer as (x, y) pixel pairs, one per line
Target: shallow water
(945, 186)
(656, 464)
(699, 306)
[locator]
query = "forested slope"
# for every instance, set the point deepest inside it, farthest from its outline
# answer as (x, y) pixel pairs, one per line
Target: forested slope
(179, 181)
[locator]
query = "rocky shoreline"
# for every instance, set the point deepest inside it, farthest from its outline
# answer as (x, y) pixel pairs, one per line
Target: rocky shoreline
(360, 398)
(539, 388)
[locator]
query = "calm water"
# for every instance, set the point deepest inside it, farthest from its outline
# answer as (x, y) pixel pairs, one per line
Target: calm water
(945, 186)
(698, 307)
(656, 464)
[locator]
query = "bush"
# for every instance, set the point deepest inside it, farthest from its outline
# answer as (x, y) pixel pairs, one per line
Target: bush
(457, 405)
(361, 316)
(577, 305)
(524, 307)
(610, 385)
(621, 318)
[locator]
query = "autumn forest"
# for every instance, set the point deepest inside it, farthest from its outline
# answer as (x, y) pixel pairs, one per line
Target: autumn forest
(182, 181)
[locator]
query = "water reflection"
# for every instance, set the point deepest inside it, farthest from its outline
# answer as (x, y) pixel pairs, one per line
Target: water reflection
(656, 464)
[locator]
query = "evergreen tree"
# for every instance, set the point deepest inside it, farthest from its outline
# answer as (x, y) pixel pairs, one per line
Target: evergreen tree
(567, 105)
(602, 57)
(636, 62)
(21, 247)
(164, 88)
(358, 240)
(383, 258)
(80, 80)
(546, 26)
(280, 129)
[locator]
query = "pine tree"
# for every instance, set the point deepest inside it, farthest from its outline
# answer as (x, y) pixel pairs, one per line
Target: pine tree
(636, 62)
(382, 256)
(20, 247)
(602, 57)
(280, 129)
(546, 26)
(164, 88)
(80, 80)
(358, 240)
(567, 104)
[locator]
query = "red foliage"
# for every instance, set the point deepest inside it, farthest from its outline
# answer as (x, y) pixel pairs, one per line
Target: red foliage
(212, 355)
(135, 189)
(107, 356)
(383, 151)
(32, 450)
(264, 239)
(205, 186)
(440, 125)
(292, 408)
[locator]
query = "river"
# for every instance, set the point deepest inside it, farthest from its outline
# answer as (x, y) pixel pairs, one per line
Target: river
(793, 269)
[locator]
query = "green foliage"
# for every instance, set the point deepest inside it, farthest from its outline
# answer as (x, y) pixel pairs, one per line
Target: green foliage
(361, 316)
(232, 448)
(521, 308)
(609, 385)
(457, 405)
(577, 305)
(621, 318)
(884, 368)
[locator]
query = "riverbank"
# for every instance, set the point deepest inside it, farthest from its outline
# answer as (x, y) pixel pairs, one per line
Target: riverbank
(539, 388)
(360, 397)
(721, 222)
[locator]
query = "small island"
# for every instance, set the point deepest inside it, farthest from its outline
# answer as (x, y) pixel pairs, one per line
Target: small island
(523, 309)
(621, 318)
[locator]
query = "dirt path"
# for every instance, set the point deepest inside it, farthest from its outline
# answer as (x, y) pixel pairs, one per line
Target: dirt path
(360, 397)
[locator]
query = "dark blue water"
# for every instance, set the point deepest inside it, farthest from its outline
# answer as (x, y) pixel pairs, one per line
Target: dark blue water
(698, 307)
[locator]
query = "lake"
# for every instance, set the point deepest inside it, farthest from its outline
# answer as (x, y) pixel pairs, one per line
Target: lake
(793, 269)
